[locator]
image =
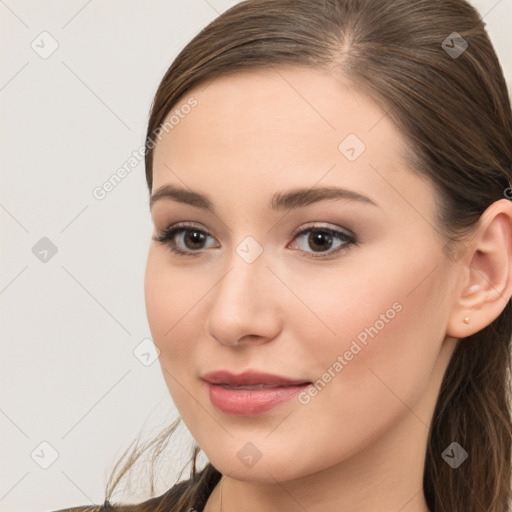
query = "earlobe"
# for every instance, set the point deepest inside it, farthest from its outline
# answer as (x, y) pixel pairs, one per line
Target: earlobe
(487, 285)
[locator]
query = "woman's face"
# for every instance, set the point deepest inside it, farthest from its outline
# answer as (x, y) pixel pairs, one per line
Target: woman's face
(360, 312)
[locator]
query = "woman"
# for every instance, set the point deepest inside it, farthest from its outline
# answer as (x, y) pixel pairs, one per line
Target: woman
(330, 275)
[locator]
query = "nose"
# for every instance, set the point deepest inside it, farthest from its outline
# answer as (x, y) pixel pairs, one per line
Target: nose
(245, 307)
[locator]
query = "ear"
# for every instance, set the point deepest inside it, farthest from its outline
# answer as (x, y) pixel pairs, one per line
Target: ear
(486, 285)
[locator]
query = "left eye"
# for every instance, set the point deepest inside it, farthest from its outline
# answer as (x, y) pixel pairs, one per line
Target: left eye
(320, 239)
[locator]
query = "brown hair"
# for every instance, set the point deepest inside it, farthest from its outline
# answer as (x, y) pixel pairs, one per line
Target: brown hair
(454, 111)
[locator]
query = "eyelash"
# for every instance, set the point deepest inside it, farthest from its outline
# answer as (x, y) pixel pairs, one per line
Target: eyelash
(167, 236)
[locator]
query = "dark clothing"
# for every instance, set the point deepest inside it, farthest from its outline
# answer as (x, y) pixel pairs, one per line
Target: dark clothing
(203, 487)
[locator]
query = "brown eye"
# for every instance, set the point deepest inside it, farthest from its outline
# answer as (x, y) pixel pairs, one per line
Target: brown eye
(188, 240)
(193, 239)
(321, 240)
(183, 239)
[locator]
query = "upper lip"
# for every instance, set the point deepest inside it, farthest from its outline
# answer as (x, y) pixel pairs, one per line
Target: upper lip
(249, 377)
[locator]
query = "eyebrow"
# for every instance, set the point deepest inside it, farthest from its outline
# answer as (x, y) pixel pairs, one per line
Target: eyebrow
(289, 200)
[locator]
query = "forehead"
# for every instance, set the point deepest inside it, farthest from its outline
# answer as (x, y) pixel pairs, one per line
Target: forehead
(278, 106)
(269, 128)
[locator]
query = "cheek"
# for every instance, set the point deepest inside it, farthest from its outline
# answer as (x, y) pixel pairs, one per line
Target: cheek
(157, 297)
(166, 311)
(377, 366)
(171, 298)
(380, 337)
(175, 302)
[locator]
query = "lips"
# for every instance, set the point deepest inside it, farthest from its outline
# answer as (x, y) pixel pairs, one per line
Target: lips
(251, 378)
(251, 392)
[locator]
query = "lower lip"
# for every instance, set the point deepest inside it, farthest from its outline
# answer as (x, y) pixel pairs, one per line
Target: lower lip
(250, 402)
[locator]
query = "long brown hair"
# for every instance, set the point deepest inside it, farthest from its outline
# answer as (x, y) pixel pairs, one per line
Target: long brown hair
(451, 105)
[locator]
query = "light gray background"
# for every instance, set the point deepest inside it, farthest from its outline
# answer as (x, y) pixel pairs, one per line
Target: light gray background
(70, 325)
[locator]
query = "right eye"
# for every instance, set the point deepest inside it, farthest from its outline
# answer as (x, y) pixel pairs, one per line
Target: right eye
(193, 237)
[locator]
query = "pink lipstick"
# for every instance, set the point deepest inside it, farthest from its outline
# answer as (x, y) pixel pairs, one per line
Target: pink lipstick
(251, 392)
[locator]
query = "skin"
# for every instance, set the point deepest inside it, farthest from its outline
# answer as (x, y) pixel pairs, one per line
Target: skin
(359, 444)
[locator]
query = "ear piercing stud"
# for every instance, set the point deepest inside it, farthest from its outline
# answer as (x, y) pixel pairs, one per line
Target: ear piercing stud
(466, 320)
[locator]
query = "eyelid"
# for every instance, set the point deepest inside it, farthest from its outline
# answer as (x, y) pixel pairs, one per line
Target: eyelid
(320, 226)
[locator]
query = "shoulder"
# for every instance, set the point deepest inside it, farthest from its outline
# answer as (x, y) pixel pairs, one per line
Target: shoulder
(153, 502)
(146, 506)
(111, 508)
(195, 491)
(93, 508)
